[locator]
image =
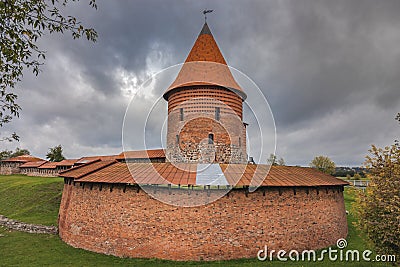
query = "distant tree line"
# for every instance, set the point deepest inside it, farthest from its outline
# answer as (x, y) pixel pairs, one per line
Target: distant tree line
(350, 172)
(54, 154)
(6, 154)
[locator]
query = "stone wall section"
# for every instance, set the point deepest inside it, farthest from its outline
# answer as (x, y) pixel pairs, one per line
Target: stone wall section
(27, 227)
(7, 168)
(108, 220)
(40, 172)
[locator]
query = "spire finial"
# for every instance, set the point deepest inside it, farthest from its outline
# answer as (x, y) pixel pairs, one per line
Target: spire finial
(205, 11)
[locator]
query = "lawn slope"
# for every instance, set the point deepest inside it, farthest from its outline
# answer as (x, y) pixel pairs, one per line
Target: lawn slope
(30, 199)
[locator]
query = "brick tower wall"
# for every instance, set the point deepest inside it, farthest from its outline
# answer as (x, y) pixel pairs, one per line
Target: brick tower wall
(193, 117)
(130, 223)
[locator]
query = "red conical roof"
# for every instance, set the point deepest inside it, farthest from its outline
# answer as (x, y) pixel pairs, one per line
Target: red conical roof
(205, 65)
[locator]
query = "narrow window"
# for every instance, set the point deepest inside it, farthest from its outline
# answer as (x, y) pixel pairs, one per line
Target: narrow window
(217, 113)
(181, 113)
(240, 142)
(210, 138)
(177, 139)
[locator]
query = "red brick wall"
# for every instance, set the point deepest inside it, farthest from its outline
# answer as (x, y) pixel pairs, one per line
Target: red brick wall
(199, 120)
(133, 224)
(212, 96)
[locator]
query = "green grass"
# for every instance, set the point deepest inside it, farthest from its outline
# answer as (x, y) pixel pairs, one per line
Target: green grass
(30, 199)
(354, 238)
(23, 249)
(36, 200)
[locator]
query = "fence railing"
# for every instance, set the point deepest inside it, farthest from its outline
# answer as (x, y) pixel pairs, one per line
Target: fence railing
(359, 183)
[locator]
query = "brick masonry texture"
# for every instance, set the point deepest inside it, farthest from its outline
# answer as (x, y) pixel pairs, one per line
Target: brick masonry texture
(202, 98)
(133, 224)
(192, 117)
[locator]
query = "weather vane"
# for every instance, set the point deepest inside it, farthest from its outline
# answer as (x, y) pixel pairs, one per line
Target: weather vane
(205, 11)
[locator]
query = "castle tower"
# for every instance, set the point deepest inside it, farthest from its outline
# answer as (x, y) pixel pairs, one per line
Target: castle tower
(205, 108)
(205, 125)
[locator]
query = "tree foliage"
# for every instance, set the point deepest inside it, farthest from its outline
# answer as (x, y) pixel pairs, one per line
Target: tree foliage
(13, 136)
(55, 154)
(357, 176)
(6, 154)
(20, 152)
(274, 161)
(378, 208)
(22, 24)
(323, 164)
(343, 172)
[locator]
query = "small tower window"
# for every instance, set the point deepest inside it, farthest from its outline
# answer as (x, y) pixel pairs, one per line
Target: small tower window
(240, 142)
(181, 114)
(177, 139)
(211, 139)
(217, 113)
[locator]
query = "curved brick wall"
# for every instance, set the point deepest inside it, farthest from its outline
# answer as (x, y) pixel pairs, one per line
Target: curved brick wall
(132, 224)
(227, 146)
(227, 100)
(192, 117)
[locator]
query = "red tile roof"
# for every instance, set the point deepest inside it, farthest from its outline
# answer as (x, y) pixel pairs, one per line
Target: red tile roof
(23, 158)
(67, 162)
(115, 172)
(48, 165)
(277, 175)
(85, 160)
(205, 48)
(142, 154)
(44, 164)
(33, 164)
(85, 169)
(143, 173)
(185, 174)
(205, 65)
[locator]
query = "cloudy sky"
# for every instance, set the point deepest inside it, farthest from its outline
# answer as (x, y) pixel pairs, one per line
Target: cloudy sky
(330, 71)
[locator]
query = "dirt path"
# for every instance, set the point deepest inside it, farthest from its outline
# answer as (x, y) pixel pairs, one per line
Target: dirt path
(27, 227)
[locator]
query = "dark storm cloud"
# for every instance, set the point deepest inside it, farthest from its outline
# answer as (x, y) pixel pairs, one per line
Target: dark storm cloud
(329, 69)
(324, 54)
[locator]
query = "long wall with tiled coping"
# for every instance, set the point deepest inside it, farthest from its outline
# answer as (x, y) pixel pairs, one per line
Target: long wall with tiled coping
(127, 222)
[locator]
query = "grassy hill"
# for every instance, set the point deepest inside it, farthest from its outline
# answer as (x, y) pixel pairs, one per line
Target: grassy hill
(30, 199)
(37, 199)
